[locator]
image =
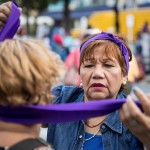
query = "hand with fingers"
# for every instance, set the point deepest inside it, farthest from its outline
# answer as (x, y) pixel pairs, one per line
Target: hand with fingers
(138, 122)
(5, 10)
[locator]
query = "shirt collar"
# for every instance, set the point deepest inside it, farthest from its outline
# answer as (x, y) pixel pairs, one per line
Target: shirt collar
(113, 121)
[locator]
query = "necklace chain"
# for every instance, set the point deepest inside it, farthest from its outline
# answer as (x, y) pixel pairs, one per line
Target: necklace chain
(85, 124)
(94, 125)
(91, 136)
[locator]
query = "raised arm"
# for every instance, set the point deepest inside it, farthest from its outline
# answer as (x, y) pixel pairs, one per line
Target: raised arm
(5, 10)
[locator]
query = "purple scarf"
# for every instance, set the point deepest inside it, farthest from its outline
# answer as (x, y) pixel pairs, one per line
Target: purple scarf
(57, 113)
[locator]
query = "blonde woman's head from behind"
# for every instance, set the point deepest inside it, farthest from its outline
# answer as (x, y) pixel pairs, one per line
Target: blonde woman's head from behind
(28, 70)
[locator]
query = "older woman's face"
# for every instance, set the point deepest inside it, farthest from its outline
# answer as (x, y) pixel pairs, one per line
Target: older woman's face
(101, 76)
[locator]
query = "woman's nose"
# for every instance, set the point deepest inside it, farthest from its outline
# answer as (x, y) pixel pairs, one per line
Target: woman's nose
(98, 72)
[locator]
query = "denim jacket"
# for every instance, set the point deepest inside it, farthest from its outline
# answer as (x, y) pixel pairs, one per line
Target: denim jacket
(69, 136)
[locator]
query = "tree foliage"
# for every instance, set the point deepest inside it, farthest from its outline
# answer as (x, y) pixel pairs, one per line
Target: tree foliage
(41, 5)
(38, 5)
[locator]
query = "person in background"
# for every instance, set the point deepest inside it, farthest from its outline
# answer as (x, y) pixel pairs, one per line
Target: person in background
(28, 70)
(139, 56)
(57, 46)
(42, 30)
(145, 28)
(72, 64)
(145, 42)
(133, 75)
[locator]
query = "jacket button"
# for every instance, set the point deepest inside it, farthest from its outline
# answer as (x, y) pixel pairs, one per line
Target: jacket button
(80, 136)
(103, 126)
(103, 129)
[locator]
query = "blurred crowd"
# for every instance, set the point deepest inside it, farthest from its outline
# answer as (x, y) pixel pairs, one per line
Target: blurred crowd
(67, 48)
(30, 68)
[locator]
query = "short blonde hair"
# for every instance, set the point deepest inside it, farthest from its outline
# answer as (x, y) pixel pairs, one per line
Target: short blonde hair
(28, 70)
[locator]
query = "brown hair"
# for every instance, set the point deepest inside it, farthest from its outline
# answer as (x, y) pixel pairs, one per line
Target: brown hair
(110, 49)
(28, 70)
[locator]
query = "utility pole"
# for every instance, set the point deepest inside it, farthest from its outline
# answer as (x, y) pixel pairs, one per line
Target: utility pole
(116, 17)
(67, 15)
(27, 14)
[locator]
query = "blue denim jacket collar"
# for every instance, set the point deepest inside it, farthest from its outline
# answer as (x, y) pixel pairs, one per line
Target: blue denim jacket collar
(113, 120)
(114, 134)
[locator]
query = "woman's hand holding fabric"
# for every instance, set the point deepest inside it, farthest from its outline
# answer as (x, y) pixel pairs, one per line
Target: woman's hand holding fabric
(137, 121)
(5, 10)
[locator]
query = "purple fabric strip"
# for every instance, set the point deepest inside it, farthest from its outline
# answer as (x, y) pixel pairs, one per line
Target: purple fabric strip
(111, 37)
(12, 24)
(59, 113)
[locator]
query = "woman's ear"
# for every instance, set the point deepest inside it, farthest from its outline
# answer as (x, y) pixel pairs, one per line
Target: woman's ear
(81, 83)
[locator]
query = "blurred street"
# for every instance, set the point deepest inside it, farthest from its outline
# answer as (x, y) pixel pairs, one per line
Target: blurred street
(144, 85)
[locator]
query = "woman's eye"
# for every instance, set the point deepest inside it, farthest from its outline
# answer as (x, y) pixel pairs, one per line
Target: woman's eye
(109, 65)
(88, 66)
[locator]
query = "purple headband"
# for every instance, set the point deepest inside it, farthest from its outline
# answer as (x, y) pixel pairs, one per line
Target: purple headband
(111, 37)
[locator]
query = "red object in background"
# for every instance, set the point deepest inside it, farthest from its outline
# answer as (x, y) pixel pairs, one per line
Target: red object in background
(72, 64)
(73, 58)
(58, 39)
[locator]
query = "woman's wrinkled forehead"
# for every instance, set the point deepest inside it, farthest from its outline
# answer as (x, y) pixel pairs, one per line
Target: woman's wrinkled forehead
(125, 52)
(105, 50)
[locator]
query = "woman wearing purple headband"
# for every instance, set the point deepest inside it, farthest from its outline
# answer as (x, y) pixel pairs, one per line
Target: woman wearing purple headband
(104, 65)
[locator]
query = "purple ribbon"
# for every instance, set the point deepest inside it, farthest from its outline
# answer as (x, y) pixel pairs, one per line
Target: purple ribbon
(111, 37)
(59, 113)
(12, 24)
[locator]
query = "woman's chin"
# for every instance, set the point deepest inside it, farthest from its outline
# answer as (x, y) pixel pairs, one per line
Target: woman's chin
(98, 97)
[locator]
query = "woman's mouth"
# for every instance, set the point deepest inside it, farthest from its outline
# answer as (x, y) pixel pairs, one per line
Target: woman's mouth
(97, 86)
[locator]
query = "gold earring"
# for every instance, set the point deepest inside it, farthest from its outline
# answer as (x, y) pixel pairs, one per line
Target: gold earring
(124, 83)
